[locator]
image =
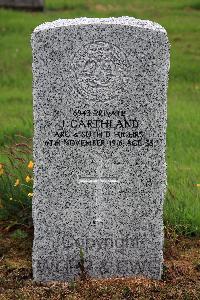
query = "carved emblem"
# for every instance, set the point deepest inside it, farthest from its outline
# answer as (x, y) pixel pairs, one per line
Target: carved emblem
(99, 71)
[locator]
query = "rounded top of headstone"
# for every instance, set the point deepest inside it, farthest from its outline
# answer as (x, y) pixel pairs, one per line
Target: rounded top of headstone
(124, 21)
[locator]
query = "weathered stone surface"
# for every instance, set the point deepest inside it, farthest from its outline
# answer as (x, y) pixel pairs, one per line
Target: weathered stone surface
(23, 4)
(99, 89)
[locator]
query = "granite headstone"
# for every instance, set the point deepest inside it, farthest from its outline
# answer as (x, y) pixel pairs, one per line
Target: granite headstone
(99, 93)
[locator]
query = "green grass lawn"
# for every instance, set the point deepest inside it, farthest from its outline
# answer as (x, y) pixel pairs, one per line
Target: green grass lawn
(181, 20)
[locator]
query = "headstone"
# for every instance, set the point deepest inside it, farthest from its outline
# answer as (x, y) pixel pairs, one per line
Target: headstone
(100, 90)
(23, 4)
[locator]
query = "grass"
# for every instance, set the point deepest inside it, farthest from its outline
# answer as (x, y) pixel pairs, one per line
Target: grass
(181, 19)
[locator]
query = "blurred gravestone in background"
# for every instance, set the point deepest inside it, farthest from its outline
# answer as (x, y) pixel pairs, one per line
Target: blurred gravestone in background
(23, 4)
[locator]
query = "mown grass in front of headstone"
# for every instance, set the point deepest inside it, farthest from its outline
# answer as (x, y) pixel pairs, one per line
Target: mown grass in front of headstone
(182, 204)
(181, 19)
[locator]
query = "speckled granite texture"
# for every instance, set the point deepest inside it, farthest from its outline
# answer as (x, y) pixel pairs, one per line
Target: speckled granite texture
(99, 93)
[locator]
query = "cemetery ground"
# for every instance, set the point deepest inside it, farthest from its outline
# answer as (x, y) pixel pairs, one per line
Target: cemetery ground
(182, 204)
(181, 277)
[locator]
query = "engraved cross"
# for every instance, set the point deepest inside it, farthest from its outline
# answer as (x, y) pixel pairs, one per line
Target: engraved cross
(99, 180)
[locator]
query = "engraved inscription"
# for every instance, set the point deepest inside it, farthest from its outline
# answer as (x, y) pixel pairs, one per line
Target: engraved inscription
(97, 128)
